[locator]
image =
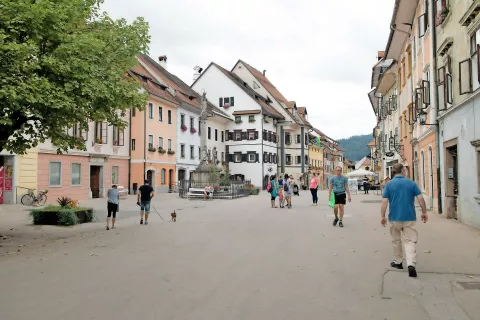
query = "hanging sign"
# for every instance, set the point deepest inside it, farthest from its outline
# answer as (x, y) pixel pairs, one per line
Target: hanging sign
(8, 177)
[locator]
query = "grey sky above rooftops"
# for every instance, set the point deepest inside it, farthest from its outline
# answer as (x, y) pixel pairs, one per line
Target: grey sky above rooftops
(319, 53)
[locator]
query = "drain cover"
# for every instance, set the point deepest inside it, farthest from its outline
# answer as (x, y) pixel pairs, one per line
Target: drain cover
(372, 201)
(470, 285)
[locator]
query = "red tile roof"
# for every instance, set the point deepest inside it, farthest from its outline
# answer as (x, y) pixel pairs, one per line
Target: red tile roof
(151, 85)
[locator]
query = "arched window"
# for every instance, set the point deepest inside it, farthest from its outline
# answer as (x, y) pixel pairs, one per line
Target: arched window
(423, 169)
(162, 176)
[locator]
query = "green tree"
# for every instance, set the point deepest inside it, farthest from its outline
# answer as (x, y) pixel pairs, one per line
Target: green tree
(64, 62)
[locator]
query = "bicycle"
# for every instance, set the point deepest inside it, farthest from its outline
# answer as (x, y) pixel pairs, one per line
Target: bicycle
(30, 199)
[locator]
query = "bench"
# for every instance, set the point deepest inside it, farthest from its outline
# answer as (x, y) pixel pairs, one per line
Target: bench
(197, 192)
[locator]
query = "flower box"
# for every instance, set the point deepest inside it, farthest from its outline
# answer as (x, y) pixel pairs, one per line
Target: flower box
(161, 150)
(152, 149)
(171, 152)
(183, 127)
(193, 130)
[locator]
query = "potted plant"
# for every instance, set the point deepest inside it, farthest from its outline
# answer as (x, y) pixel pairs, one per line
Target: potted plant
(193, 130)
(152, 149)
(183, 127)
(98, 141)
(115, 143)
(161, 150)
(171, 152)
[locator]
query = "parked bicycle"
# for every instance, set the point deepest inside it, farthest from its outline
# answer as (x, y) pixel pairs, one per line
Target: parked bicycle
(30, 199)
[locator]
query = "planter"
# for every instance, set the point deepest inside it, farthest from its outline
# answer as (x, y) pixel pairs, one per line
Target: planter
(170, 152)
(193, 130)
(162, 151)
(61, 216)
(152, 149)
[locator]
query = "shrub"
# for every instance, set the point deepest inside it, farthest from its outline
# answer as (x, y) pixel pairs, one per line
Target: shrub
(36, 215)
(67, 217)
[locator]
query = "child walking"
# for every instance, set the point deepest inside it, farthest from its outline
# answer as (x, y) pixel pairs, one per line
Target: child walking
(281, 198)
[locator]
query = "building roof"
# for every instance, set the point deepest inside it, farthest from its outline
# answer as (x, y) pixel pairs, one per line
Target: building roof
(151, 85)
(245, 112)
(185, 94)
(267, 109)
(372, 143)
(322, 135)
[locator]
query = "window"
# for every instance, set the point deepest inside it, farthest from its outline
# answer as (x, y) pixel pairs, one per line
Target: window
(216, 135)
(115, 174)
(150, 111)
(478, 168)
(192, 123)
(76, 174)
(160, 114)
(251, 118)
(222, 136)
(238, 119)
(414, 49)
(252, 157)
(169, 144)
(79, 132)
(182, 151)
(297, 138)
(223, 157)
(192, 152)
(298, 159)
(169, 115)
(251, 135)
(409, 55)
(163, 173)
(160, 142)
(423, 170)
(55, 174)
(237, 157)
(182, 120)
(404, 72)
(101, 130)
(118, 136)
(288, 138)
(441, 4)
(288, 158)
(255, 85)
(133, 144)
(209, 133)
(150, 141)
(238, 136)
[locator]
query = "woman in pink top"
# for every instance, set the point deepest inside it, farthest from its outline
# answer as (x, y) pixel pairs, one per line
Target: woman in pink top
(313, 189)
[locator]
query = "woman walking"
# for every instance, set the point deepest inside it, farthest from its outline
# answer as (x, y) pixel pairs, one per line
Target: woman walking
(314, 189)
(274, 190)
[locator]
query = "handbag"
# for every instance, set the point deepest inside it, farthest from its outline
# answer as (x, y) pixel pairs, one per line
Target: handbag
(332, 200)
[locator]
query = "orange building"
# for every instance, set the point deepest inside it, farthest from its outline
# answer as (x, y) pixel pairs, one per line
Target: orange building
(153, 136)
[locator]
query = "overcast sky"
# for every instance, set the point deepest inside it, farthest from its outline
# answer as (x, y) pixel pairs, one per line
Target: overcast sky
(319, 53)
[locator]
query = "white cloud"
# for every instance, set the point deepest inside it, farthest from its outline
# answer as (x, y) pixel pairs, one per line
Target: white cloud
(317, 52)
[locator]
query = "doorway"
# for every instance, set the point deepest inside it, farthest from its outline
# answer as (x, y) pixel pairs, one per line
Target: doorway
(266, 180)
(170, 179)
(430, 173)
(95, 181)
(181, 174)
(451, 184)
(151, 178)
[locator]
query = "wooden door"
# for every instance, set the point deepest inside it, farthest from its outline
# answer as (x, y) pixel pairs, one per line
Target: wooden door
(95, 181)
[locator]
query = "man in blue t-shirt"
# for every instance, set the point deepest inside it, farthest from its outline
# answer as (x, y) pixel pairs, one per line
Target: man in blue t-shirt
(339, 186)
(400, 193)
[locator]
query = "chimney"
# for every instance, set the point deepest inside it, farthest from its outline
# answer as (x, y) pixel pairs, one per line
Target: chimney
(162, 60)
(380, 55)
(264, 72)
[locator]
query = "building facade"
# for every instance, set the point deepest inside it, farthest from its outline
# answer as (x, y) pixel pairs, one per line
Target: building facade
(18, 173)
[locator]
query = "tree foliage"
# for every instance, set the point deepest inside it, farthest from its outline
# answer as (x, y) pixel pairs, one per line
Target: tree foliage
(356, 147)
(64, 62)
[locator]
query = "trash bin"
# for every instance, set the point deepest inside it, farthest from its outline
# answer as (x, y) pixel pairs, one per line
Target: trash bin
(135, 188)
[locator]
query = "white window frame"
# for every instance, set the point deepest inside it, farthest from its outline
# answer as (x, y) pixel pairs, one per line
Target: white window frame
(169, 144)
(160, 113)
(50, 175)
(182, 153)
(71, 175)
(250, 159)
(150, 111)
(133, 145)
(192, 152)
(150, 138)
(160, 142)
(251, 135)
(237, 157)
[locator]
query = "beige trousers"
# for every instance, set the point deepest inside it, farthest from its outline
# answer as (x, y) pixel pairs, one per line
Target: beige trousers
(410, 238)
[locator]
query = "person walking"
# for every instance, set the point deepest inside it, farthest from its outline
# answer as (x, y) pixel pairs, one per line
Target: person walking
(273, 190)
(366, 184)
(144, 198)
(288, 190)
(281, 197)
(314, 189)
(399, 194)
(113, 196)
(339, 185)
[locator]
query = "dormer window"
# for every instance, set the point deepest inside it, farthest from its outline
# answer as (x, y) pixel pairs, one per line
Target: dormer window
(255, 85)
(226, 102)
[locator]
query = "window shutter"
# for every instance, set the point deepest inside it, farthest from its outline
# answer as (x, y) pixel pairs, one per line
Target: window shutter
(257, 157)
(230, 158)
(449, 89)
(256, 135)
(230, 136)
(478, 62)
(244, 157)
(264, 135)
(220, 102)
(244, 136)
(232, 102)
(227, 135)
(465, 76)
(441, 76)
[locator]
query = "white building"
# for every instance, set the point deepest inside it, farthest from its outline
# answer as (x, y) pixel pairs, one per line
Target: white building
(188, 141)
(293, 153)
(251, 141)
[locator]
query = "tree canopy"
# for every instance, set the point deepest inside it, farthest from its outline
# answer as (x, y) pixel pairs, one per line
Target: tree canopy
(64, 62)
(356, 147)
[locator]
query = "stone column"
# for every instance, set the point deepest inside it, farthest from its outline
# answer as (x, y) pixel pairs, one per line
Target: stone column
(302, 142)
(282, 149)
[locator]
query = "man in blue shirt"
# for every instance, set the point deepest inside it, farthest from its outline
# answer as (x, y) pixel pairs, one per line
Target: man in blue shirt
(400, 193)
(339, 186)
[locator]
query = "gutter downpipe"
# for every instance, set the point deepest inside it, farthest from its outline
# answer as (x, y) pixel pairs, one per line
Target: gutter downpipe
(262, 162)
(436, 108)
(145, 145)
(130, 152)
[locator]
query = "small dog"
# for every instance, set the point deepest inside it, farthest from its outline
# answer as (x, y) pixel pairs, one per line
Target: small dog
(174, 216)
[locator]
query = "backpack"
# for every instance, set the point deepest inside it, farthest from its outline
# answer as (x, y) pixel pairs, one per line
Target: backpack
(269, 187)
(285, 187)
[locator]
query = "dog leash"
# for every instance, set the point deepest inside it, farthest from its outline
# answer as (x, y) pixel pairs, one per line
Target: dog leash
(157, 212)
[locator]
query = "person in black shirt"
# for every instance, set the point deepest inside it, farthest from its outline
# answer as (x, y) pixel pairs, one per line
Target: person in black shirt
(145, 195)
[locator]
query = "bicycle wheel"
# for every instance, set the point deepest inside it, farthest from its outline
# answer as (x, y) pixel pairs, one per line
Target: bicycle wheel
(42, 199)
(27, 200)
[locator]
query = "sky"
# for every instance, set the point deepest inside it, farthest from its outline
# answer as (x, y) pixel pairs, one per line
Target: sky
(319, 53)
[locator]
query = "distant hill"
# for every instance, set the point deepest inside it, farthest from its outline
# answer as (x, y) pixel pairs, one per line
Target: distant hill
(356, 147)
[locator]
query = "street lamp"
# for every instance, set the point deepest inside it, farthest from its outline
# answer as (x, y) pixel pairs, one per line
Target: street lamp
(422, 115)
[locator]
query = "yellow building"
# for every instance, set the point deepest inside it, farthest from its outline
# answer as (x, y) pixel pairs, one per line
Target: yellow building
(315, 156)
(19, 173)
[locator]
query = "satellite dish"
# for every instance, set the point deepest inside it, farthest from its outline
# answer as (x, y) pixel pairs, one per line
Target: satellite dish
(389, 154)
